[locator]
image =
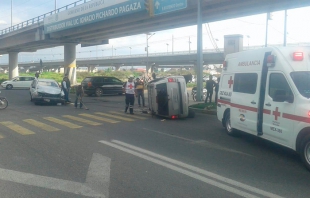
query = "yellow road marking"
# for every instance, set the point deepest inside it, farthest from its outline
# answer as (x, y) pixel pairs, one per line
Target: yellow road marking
(17, 128)
(62, 122)
(41, 125)
(82, 120)
(114, 116)
(128, 115)
(99, 118)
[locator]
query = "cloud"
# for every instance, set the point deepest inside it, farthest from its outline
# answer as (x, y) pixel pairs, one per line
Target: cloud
(2, 22)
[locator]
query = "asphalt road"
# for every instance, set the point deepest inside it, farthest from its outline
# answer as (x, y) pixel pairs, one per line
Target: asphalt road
(92, 154)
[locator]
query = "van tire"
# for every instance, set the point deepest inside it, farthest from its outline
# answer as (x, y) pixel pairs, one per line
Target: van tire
(191, 113)
(98, 92)
(305, 151)
(229, 130)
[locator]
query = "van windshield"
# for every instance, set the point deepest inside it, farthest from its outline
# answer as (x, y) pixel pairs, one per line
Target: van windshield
(302, 82)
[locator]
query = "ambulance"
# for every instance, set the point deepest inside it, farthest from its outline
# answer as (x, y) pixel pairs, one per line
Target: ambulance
(266, 93)
(168, 97)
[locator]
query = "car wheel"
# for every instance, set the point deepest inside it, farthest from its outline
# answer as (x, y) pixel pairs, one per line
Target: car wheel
(99, 92)
(305, 151)
(229, 129)
(9, 87)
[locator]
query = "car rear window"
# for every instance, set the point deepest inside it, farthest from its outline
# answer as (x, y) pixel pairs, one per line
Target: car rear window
(87, 80)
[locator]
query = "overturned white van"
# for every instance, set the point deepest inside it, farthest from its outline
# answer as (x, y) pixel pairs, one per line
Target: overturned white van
(168, 97)
(266, 92)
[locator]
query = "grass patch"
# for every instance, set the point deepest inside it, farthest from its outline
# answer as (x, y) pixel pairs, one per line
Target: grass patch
(208, 106)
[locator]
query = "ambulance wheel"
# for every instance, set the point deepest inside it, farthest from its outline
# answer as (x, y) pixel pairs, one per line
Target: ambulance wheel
(305, 151)
(191, 113)
(229, 129)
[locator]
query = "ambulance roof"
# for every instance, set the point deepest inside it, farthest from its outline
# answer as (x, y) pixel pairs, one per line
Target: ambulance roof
(253, 60)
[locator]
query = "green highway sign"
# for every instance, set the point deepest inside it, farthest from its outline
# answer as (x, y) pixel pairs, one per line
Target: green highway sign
(165, 6)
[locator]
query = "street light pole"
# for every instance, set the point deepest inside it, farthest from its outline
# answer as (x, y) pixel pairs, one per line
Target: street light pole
(130, 50)
(248, 41)
(147, 50)
(167, 47)
(11, 13)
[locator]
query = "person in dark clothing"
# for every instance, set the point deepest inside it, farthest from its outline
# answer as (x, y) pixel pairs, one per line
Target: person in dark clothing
(65, 88)
(79, 96)
(68, 84)
(153, 75)
(139, 85)
(217, 89)
(210, 84)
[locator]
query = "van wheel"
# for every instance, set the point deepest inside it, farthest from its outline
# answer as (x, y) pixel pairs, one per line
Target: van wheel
(9, 87)
(305, 151)
(229, 129)
(98, 92)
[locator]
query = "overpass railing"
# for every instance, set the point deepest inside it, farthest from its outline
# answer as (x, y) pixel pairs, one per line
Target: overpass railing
(40, 18)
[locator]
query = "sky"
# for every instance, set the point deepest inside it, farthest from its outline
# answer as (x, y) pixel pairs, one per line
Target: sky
(252, 28)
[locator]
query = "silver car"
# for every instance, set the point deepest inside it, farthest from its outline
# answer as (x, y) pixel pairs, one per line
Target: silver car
(18, 82)
(46, 91)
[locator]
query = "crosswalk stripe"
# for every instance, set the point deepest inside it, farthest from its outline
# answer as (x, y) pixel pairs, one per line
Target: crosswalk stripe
(82, 120)
(62, 122)
(17, 128)
(98, 118)
(114, 116)
(128, 115)
(41, 125)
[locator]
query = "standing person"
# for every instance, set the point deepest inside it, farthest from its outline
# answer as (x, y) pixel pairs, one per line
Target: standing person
(140, 91)
(129, 89)
(217, 88)
(68, 84)
(153, 75)
(79, 96)
(65, 88)
(210, 84)
(37, 74)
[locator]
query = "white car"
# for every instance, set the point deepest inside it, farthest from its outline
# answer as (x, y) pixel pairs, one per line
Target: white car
(46, 91)
(18, 82)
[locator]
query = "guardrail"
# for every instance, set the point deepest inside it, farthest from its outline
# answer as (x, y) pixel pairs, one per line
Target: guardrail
(41, 17)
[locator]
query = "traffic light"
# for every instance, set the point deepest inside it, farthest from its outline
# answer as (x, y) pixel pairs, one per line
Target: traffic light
(149, 7)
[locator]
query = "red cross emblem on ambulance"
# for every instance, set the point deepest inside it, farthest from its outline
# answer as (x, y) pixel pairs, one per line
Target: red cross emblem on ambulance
(276, 113)
(230, 82)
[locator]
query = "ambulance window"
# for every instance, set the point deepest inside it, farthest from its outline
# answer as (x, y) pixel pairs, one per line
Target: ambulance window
(245, 83)
(302, 82)
(278, 84)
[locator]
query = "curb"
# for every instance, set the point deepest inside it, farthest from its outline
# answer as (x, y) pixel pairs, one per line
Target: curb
(204, 111)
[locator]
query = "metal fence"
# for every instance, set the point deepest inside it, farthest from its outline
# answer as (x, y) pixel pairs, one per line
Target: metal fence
(41, 17)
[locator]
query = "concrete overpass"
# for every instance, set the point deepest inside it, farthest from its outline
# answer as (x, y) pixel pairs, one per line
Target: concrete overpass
(36, 33)
(155, 60)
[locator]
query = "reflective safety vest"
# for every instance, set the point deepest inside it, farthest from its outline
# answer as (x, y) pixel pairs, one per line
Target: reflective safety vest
(130, 88)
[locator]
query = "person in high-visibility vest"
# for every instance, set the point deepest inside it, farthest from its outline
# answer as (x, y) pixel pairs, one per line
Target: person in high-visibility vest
(130, 92)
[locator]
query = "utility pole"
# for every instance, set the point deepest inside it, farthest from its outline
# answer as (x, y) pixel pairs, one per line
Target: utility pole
(11, 13)
(199, 66)
(285, 31)
(189, 44)
(148, 36)
(172, 43)
(269, 17)
(55, 5)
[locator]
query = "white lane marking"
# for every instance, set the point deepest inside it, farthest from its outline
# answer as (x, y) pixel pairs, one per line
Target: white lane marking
(98, 175)
(183, 171)
(99, 167)
(198, 170)
(204, 142)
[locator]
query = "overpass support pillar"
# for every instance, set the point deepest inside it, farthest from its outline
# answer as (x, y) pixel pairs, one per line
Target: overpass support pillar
(13, 64)
(90, 69)
(70, 61)
(117, 68)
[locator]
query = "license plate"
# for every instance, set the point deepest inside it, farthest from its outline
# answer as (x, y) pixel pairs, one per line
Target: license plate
(47, 100)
